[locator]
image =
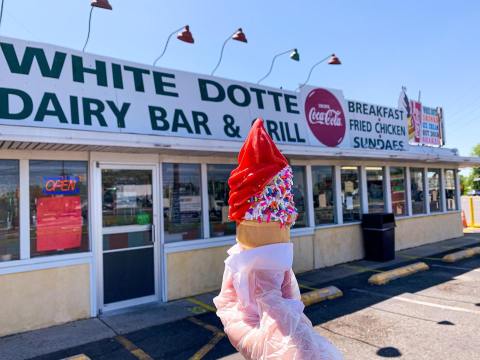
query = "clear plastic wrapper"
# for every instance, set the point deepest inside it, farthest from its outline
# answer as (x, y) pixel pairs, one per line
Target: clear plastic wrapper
(260, 307)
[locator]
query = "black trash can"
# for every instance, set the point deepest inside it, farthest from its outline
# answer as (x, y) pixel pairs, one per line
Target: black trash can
(379, 236)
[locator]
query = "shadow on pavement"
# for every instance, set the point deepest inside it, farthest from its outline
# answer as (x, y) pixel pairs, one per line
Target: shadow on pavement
(389, 352)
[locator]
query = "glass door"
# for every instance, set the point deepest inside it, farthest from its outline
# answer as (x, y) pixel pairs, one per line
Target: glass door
(128, 236)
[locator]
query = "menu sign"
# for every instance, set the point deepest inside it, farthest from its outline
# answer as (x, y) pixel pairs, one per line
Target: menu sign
(431, 127)
(425, 124)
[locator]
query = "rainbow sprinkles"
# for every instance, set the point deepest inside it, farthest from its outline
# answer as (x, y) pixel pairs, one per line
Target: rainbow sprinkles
(275, 202)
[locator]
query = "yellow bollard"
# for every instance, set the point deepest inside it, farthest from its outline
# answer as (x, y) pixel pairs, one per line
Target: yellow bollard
(463, 254)
(387, 276)
(315, 296)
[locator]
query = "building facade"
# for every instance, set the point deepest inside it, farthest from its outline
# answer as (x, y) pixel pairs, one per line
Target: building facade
(113, 180)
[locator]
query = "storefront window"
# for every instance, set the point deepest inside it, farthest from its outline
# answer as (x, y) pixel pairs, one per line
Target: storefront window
(127, 197)
(451, 189)
(182, 202)
(397, 187)
(434, 190)
(218, 191)
(58, 207)
(323, 195)
(299, 187)
(375, 190)
(350, 193)
(416, 183)
(9, 197)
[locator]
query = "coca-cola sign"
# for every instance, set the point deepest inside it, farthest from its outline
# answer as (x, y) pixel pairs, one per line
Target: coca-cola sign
(325, 117)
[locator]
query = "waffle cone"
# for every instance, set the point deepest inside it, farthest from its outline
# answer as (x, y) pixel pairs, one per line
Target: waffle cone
(252, 234)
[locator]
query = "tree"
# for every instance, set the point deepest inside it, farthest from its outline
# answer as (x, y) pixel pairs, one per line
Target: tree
(474, 177)
(465, 184)
(476, 150)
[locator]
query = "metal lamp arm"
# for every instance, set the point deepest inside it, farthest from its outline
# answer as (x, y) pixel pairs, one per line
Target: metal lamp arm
(1, 13)
(89, 28)
(311, 70)
(221, 54)
(166, 45)
(271, 66)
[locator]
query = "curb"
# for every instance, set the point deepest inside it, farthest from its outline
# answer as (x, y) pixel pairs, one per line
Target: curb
(459, 255)
(387, 276)
(315, 296)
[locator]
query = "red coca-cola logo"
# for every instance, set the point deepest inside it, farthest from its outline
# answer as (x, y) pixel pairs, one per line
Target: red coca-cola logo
(325, 117)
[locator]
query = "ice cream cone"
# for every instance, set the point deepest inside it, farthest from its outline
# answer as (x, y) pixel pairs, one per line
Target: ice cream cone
(252, 234)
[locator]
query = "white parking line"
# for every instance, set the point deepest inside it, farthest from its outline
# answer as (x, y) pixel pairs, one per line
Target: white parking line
(454, 267)
(418, 302)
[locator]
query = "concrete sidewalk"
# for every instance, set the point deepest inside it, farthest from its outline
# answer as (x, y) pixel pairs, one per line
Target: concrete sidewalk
(45, 341)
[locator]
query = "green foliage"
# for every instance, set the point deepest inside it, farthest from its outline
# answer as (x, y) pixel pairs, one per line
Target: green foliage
(472, 181)
(475, 175)
(465, 184)
(476, 150)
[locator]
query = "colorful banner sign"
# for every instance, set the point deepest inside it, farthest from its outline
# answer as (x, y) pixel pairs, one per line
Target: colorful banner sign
(425, 124)
(53, 87)
(415, 125)
(431, 128)
(442, 125)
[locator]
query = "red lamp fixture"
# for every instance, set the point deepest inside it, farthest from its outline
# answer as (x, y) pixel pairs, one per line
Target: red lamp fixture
(240, 36)
(334, 60)
(185, 35)
(103, 4)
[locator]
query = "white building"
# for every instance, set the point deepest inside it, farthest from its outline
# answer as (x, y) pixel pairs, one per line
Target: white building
(113, 180)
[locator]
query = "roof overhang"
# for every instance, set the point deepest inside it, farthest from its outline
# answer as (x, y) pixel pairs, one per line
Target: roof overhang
(27, 138)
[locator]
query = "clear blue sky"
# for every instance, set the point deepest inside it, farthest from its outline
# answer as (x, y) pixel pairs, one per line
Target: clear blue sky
(428, 45)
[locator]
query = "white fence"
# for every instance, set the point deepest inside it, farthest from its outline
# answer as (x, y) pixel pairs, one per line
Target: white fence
(471, 210)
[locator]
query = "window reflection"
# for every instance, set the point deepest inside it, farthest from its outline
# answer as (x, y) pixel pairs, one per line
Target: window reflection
(323, 194)
(376, 203)
(182, 202)
(416, 179)
(218, 191)
(9, 197)
(127, 197)
(350, 193)
(298, 190)
(397, 187)
(451, 189)
(434, 190)
(58, 207)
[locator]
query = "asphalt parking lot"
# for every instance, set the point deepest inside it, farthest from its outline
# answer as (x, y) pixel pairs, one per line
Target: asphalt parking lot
(433, 314)
(425, 316)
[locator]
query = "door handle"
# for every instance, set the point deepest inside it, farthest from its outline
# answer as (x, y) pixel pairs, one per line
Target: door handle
(153, 233)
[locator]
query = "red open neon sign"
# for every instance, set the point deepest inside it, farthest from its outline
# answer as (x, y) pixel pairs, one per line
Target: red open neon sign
(61, 185)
